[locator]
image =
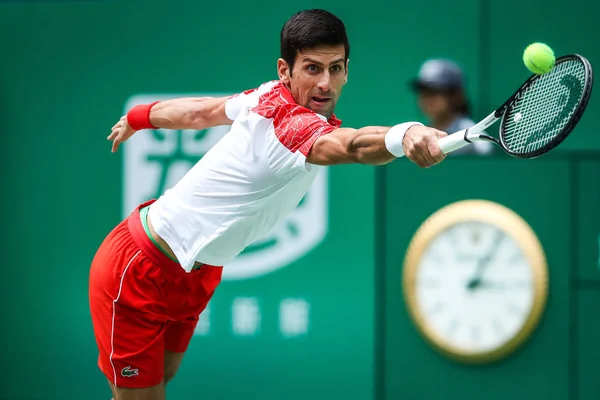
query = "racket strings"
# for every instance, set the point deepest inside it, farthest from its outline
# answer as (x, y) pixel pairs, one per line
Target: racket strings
(542, 111)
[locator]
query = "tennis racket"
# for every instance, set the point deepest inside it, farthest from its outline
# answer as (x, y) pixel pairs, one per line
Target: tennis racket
(539, 115)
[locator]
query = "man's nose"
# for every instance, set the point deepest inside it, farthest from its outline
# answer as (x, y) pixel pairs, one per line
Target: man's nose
(324, 83)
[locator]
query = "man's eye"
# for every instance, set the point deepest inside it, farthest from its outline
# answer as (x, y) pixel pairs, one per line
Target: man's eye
(313, 68)
(336, 68)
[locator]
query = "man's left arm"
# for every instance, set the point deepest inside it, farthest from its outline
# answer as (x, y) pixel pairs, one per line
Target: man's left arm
(378, 145)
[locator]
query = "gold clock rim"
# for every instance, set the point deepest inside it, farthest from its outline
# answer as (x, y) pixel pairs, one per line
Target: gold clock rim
(511, 223)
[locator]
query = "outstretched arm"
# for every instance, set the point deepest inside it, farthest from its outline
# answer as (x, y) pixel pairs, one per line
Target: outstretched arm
(182, 113)
(377, 145)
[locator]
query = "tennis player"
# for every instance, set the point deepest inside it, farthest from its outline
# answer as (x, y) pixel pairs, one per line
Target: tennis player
(156, 271)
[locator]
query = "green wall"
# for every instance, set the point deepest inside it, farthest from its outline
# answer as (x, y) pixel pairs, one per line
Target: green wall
(68, 70)
(558, 196)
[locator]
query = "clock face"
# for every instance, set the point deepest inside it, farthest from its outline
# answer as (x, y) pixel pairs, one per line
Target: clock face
(474, 287)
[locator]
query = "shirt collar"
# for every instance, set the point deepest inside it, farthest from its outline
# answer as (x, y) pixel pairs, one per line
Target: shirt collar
(287, 95)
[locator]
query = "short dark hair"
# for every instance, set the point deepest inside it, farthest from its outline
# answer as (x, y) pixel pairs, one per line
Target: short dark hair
(309, 29)
(459, 102)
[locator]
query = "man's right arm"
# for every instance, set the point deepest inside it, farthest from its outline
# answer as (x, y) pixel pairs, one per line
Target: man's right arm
(182, 113)
(190, 113)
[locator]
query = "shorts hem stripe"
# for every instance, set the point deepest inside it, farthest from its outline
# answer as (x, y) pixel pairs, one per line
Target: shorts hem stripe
(112, 328)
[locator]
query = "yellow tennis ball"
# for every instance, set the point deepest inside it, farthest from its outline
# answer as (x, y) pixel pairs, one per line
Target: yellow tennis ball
(539, 58)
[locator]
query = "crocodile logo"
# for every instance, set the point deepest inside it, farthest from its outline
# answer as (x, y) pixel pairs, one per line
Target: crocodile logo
(128, 372)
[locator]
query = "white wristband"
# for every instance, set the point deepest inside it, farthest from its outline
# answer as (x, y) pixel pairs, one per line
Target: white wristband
(394, 137)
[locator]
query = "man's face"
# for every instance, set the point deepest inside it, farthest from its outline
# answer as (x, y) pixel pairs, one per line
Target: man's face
(317, 78)
(434, 104)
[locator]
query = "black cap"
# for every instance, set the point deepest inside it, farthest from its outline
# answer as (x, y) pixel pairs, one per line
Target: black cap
(439, 74)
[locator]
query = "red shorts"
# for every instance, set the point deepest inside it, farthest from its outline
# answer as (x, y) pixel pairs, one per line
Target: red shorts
(143, 303)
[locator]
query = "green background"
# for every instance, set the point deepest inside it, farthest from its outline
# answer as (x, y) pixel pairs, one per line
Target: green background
(67, 70)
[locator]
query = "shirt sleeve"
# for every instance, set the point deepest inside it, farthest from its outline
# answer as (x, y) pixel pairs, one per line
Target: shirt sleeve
(298, 129)
(249, 99)
(235, 103)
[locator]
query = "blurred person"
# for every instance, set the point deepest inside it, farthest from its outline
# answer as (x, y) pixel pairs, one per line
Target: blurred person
(155, 272)
(442, 99)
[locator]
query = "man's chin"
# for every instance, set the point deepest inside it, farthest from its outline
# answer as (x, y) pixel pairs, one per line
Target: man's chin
(326, 112)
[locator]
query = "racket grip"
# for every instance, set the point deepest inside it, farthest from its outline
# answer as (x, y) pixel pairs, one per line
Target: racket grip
(453, 142)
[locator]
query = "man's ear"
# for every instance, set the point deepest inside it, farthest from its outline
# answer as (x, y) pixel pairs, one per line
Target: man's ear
(283, 70)
(346, 76)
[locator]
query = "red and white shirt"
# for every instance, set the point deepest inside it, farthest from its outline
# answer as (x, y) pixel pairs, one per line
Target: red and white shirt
(247, 183)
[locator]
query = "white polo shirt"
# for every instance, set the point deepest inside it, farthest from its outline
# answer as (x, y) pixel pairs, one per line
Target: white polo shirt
(247, 183)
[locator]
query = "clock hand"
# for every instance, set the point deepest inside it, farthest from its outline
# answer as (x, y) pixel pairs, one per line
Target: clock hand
(488, 284)
(484, 262)
(483, 284)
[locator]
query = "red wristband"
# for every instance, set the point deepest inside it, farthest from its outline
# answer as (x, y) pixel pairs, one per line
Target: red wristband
(139, 117)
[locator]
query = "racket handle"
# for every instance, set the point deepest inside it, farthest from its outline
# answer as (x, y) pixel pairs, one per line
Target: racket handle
(453, 142)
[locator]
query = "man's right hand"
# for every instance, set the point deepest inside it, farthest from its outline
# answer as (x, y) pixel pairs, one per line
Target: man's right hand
(121, 131)
(421, 146)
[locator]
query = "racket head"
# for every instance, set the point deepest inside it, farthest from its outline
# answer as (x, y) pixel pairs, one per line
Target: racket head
(546, 108)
